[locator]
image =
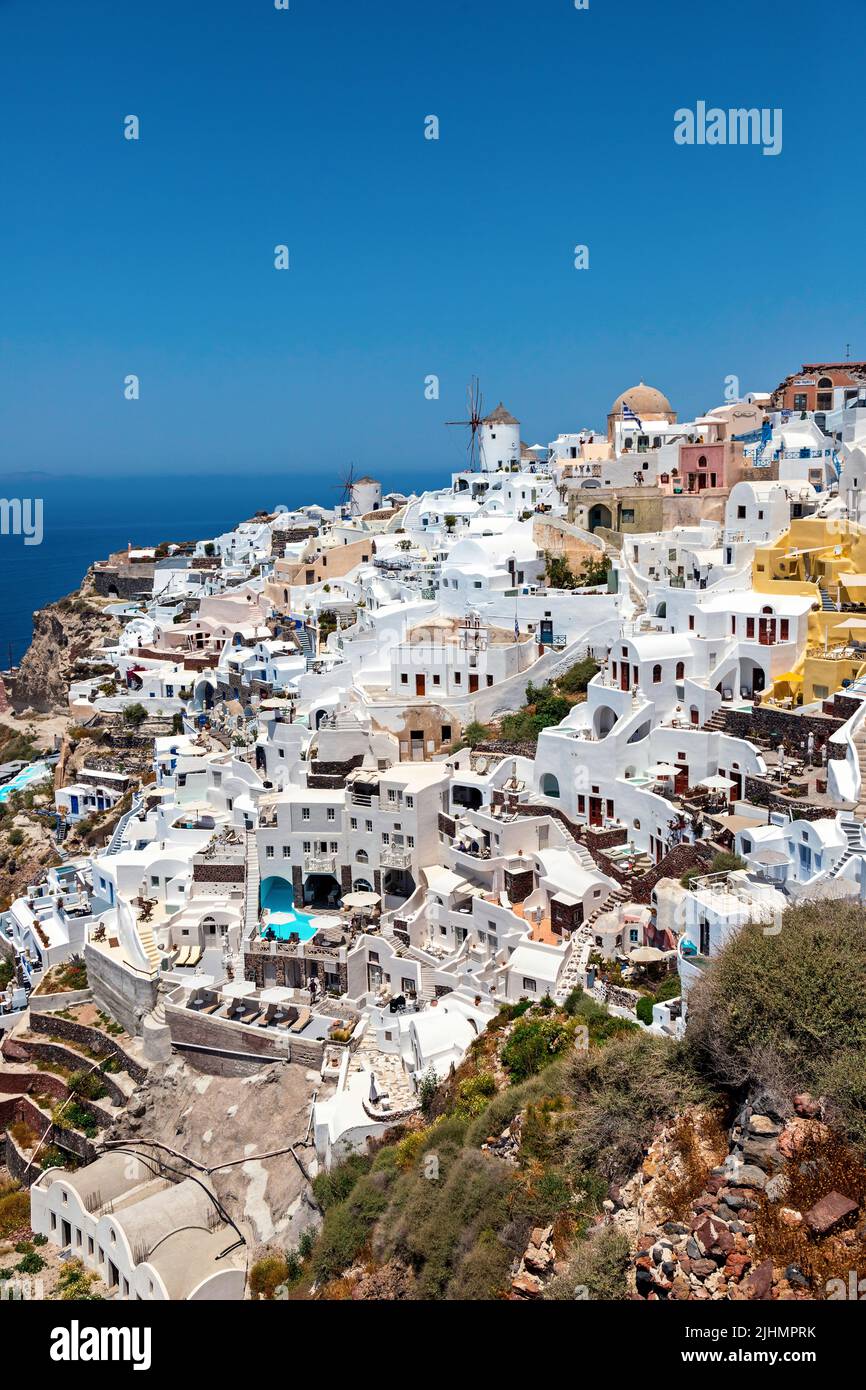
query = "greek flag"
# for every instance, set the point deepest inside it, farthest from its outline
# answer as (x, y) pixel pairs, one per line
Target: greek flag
(628, 414)
(516, 629)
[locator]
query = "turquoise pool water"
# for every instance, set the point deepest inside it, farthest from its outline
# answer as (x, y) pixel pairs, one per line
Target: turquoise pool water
(279, 900)
(34, 773)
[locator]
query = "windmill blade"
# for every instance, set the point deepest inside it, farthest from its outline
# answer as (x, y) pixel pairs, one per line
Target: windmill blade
(473, 423)
(345, 487)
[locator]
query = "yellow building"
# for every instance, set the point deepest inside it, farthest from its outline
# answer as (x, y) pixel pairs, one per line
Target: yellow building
(826, 559)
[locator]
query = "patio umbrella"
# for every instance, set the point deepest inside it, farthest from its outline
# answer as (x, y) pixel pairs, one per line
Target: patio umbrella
(851, 626)
(646, 955)
(238, 989)
(660, 770)
(770, 858)
(716, 783)
(320, 922)
(275, 995)
(361, 900)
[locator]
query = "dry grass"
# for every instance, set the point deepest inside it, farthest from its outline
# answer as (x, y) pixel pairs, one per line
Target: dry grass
(699, 1142)
(824, 1163)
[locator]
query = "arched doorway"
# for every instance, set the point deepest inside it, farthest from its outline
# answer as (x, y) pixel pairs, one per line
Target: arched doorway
(321, 890)
(604, 720)
(599, 515)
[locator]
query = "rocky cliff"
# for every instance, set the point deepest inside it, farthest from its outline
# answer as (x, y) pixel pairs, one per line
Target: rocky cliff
(64, 633)
(778, 1215)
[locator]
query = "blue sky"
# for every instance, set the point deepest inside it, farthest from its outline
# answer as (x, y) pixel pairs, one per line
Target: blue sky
(408, 257)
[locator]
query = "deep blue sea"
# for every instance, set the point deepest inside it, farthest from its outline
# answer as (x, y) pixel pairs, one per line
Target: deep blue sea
(86, 518)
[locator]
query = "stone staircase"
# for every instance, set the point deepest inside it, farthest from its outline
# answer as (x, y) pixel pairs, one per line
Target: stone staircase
(854, 835)
(151, 950)
(716, 723)
(615, 898)
(826, 602)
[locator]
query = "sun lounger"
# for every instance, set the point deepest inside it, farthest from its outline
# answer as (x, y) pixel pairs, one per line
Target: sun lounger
(212, 1008)
(301, 1021)
(284, 1022)
(183, 958)
(195, 955)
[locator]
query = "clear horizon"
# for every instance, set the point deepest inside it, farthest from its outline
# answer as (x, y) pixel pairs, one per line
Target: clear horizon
(409, 257)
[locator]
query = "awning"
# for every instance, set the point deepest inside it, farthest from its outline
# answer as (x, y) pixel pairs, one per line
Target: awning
(238, 989)
(735, 824)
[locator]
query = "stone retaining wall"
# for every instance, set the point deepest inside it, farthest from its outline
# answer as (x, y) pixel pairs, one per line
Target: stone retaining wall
(91, 1038)
(26, 1050)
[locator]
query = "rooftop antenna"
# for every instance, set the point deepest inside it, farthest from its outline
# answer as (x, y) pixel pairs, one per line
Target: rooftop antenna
(344, 487)
(473, 408)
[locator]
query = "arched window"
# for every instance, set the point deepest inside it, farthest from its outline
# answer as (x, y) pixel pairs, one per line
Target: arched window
(362, 856)
(657, 675)
(549, 785)
(681, 670)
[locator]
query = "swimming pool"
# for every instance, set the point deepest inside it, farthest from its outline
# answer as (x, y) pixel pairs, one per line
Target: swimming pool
(278, 900)
(34, 773)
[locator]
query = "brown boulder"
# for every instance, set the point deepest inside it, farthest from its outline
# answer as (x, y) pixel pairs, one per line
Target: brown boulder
(761, 1281)
(830, 1213)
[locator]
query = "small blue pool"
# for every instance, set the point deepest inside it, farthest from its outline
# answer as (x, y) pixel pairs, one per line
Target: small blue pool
(278, 900)
(34, 773)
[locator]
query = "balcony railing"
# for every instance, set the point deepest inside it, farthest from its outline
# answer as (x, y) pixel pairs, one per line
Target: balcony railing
(395, 857)
(320, 863)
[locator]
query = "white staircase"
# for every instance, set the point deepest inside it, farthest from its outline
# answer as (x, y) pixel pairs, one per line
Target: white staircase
(252, 882)
(114, 844)
(853, 831)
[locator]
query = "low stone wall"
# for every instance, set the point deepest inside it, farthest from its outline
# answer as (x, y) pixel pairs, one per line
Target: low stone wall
(200, 1033)
(770, 726)
(676, 862)
(25, 1050)
(18, 1109)
(80, 1034)
(24, 1083)
(61, 999)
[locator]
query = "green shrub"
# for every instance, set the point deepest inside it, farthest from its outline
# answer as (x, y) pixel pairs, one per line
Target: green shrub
(267, 1274)
(575, 680)
(76, 1283)
(332, 1187)
(619, 1092)
(534, 1043)
(348, 1225)
(644, 1009)
(598, 1266)
(787, 1011)
(31, 1264)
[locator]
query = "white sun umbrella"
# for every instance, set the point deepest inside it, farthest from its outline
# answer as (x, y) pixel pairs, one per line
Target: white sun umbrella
(660, 770)
(770, 858)
(277, 994)
(361, 899)
(238, 989)
(319, 922)
(646, 955)
(716, 783)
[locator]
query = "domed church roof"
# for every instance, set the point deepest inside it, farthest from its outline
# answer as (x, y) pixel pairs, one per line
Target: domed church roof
(644, 401)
